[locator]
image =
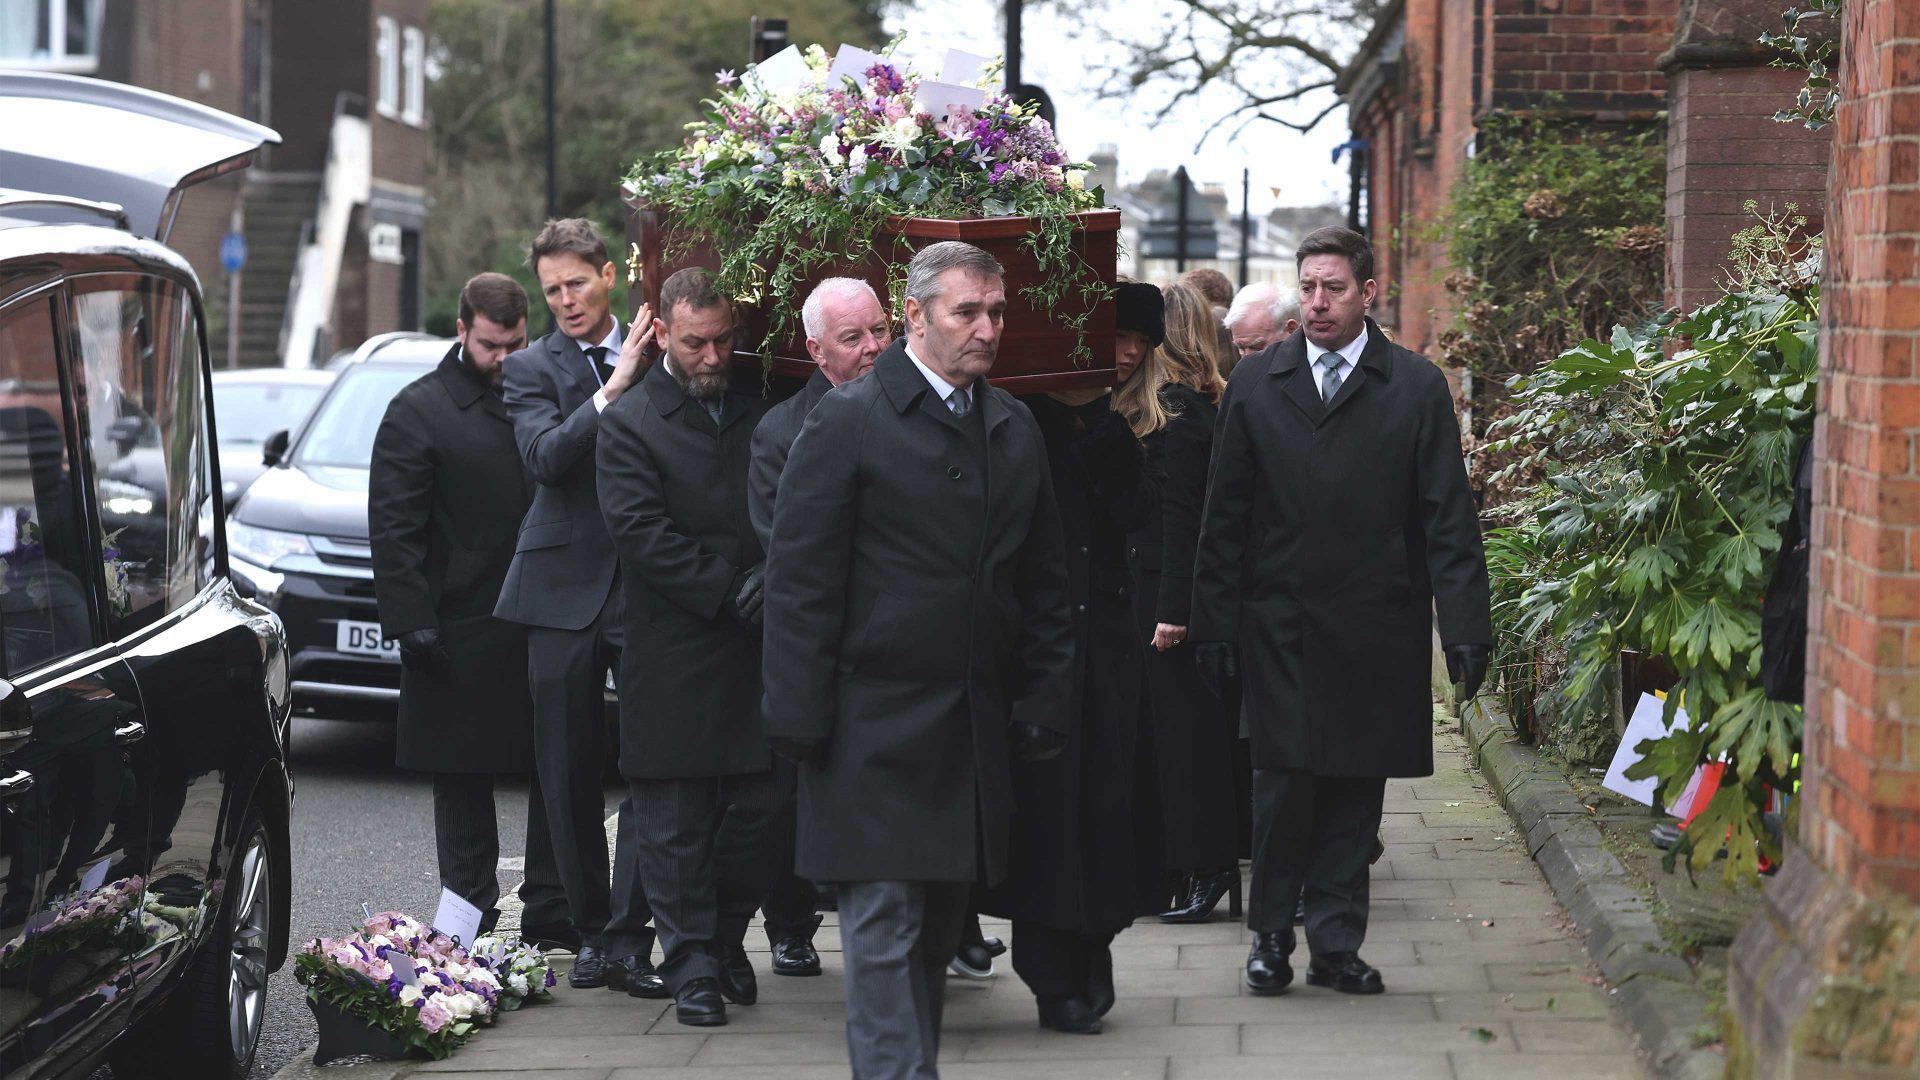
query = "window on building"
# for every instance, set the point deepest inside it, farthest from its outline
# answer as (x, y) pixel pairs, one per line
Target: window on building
(57, 35)
(413, 71)
(386, 54)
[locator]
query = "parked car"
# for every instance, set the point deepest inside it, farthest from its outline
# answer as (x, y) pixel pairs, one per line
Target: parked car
(144, 703)
(252, 404)
(299, 534)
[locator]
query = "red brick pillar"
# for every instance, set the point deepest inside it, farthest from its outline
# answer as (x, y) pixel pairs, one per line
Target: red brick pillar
(1723, 144)
(1826, 978)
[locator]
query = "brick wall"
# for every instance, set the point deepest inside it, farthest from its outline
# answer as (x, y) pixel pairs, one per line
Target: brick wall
(1598, 55)
(1861, 799)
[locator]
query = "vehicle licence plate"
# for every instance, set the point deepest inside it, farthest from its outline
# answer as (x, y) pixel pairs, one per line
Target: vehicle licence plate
(363, 639)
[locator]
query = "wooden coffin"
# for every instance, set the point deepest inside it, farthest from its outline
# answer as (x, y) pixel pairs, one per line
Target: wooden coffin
(1036, 348)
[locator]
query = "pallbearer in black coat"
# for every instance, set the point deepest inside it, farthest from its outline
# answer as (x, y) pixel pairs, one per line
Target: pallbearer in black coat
(846, 329)
(673, 486)
(444, 502)
(1337, 518)
(917, 642)
(1170, 396)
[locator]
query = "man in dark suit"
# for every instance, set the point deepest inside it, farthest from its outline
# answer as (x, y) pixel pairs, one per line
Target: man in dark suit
(1337, 516)
(846, 329)
(562, 586)
(917, 642)
(673, 486)
(444, 504)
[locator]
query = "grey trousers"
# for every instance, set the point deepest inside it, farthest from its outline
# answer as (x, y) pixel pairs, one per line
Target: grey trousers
(897, 937)
(1313, 835)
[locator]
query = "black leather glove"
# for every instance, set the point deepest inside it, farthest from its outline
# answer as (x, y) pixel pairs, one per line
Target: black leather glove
(424, 652)
(1219, 664)
(1031, 742)
(746, 595)
(799, 751)
(1467, 667)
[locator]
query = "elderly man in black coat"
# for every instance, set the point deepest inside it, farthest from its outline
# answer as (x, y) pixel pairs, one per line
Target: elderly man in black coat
(444, 504)
(1337, 517)
(917, 642)
(846, 330)
(673, 486)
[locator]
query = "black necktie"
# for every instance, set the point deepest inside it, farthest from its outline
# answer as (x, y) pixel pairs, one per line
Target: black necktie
(598, 356)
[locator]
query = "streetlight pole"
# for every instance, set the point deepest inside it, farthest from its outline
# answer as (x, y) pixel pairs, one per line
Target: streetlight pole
(1246, 222)
(1013, 46)
(553, 171)
(1180, 231)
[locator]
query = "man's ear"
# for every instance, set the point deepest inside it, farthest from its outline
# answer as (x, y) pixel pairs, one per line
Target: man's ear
(1369, 292)
(916, 315)
(1292, 325)
(659, 333)
(606, 273)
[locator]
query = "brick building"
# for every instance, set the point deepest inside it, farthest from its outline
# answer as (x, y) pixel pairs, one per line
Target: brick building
(344, 82)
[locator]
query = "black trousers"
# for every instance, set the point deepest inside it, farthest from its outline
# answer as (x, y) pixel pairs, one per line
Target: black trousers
(793, 902)
(1313, 834)
(706, 849)
(567, 672)
(1057, 963)
(466, 838)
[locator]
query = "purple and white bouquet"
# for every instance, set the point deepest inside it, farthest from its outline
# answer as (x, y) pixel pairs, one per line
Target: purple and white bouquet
(405, 979)
(521, 969)
(100, 917)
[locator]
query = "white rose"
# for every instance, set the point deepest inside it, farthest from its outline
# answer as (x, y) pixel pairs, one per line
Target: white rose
(830, 149)
(518, 983)
(409, 995)
(460, 1005)
(1077, 180)
(858, 159)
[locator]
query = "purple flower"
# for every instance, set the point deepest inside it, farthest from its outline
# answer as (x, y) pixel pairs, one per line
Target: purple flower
(725, 76)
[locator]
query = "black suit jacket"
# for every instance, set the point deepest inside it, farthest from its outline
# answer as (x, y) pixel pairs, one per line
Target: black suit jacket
(916, 602)
(1176, 462)
(673, 485)
(563, 563)
(1331, 530)
(772, 442)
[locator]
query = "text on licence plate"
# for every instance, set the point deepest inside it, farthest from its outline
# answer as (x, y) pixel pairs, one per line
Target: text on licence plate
(363, 639)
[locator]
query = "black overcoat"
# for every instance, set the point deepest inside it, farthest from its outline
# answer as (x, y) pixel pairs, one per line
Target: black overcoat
(444, 502)
(673, 486)
(1330, 532)
(1193, 735)
(916, 603)
(772, 443)
(1077, 832)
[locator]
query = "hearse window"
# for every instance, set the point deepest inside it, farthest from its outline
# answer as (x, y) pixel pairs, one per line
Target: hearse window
(45, 555)
(140, 349)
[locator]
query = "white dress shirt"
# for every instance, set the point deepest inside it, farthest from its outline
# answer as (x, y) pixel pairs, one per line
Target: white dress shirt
(612, 343)
(942, 389)
(1349, 356)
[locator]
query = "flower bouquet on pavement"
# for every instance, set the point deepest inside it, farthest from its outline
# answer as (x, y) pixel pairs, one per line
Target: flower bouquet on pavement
(394, 988)
(521, 969)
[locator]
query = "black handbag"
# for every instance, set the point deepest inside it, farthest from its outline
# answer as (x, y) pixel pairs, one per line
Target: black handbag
(1783, 611)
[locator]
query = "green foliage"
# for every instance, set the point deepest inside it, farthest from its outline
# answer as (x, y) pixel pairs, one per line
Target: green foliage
(1666, 480)
(361, 999)
(1805, 43)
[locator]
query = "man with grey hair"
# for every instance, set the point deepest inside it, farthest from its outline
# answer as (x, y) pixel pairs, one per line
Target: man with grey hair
(1260, 316)
(846, 329)
(917, 643)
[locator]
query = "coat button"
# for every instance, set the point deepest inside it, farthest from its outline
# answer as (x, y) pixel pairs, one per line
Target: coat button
(1081, 608)
(1083, 549)
(953, 473)
(1123, 590)
(1133, 553)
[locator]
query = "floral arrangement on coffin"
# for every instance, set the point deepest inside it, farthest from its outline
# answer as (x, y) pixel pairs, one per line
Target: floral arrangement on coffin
(101, 917)
(417, 985)
(784, 182)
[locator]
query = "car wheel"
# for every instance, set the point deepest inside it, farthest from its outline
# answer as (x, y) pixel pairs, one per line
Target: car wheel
(212, 1027)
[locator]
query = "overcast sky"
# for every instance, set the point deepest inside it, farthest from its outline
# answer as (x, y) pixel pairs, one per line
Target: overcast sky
(1299, 165)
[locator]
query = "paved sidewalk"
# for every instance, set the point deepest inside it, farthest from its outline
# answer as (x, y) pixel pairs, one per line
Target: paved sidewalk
(1484, 982)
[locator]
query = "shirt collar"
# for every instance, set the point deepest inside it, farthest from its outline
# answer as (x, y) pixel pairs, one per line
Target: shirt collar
(611, 342)
(942, 389)
(1350, 352)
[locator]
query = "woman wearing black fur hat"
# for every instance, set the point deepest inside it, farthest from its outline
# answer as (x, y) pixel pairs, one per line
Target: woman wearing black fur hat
(1084, 838)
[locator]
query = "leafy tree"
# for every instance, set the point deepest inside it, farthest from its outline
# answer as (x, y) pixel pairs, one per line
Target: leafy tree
(630, 74)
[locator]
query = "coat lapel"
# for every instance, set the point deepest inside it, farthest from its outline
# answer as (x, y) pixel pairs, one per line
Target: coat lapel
(574, 364)
(1290, 366)
(1374, 363)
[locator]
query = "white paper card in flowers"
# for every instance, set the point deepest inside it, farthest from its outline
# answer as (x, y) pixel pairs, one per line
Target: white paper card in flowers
(962, 67)
(852, 61)
(937, 99)
(783, 72)
(95, 875)
(457, 918)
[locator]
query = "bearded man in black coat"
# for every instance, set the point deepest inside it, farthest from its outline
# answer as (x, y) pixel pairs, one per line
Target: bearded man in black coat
(1337, 517)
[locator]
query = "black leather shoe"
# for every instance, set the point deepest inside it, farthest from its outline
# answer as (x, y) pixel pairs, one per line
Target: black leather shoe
(1100, 995)
(635, 976)
(973, 961)
(1203, 895)
(589, 968)
(993, 945)
(1345, 972)
(698, 1004)
(1268, 971)
(1300, 912)
(558, 937)
(1071, 1016)
(795, 956)
(737, 980)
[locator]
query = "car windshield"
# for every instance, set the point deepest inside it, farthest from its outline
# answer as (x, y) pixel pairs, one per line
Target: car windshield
(249, 412)
(341, 435)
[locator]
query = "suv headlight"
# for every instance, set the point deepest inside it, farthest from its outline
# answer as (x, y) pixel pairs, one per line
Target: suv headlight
(264, 547)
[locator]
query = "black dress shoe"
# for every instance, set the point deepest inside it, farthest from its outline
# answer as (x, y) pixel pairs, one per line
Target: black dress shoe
(1203, 895)
(589, 968)
(489, 919)
(737, 980)
(557, 937)
(1268, 971)
(1100, 995)
(993, 945)
(636, 977)
(1345, 972)
(699, 1004)
(1071, 1016)
(795, 956)
(974, 960)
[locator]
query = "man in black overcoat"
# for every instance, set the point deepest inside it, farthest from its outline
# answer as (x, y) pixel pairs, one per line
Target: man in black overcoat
(444, 503)
(1338, 517)
(562, 585)
(917, 642)
(673, 485)
(846, 329)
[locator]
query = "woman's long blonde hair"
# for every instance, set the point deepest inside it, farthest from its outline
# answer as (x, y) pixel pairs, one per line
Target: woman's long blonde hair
(1190, 356)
